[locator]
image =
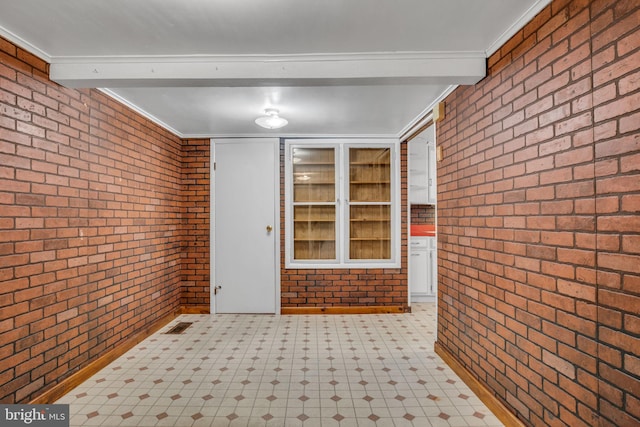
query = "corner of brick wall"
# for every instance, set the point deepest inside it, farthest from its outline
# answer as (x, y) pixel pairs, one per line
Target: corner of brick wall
(195, 255)
(538, 225)
(90, 226)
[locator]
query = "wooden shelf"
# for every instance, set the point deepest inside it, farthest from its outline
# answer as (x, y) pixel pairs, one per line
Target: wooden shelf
(386, 164)
(312, 164)
(314, 183)
(370, 182)
(369, 239)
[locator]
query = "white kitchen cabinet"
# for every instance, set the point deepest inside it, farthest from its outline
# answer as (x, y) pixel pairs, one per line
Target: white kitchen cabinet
(432, 195)
(418, 178)
(422, 168)
(423, 269)
(433, 265)
(419, 271)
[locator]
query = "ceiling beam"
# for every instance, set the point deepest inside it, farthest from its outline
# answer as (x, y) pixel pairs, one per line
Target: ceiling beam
(297, 70)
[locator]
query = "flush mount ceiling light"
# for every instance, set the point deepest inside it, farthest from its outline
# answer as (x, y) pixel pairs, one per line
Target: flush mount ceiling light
(271, 119)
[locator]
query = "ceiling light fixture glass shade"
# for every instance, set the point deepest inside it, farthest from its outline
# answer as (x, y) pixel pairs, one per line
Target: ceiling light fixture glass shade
(271, 119)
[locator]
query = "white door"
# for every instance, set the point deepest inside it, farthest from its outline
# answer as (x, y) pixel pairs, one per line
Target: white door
(245, 198)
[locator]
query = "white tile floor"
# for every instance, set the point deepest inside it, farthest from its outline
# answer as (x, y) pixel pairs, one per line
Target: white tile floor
(261, 370)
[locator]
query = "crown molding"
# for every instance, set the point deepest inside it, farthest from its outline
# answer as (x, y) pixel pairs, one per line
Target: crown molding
(527, 16)
(23, 44)
(425, 116)
(142, 112)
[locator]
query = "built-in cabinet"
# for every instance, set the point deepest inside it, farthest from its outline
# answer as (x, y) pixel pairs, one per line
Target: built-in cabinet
(341, 203)
(422, 169)
(369, 203)
(423, 267)
(422, 191)
(314, 203)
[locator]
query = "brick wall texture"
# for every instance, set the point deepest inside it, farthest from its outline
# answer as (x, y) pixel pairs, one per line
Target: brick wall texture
(538, 218)
(347, 287)
(98, 234)
(423, 214)
(195, 222)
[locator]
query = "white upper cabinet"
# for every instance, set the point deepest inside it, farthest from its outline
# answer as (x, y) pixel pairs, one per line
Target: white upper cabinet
(431, 173)
(422, 168)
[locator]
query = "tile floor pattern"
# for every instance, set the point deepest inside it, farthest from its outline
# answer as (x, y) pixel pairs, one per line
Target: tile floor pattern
(303, 371)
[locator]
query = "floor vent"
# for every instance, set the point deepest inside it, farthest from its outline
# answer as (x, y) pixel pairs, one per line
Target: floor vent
(179, 328)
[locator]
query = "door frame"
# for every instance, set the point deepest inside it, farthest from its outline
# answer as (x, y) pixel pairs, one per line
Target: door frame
(277, 216)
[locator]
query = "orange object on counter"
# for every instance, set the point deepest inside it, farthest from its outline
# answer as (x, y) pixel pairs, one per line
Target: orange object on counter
(423, 230)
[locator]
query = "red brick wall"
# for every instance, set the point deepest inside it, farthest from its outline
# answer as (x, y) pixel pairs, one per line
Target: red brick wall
(538, 225)
(423, 214)
(196, 208)
(346, 287)
(90, 225)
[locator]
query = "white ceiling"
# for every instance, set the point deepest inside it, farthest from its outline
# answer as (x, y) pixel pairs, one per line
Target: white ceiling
(208, 68)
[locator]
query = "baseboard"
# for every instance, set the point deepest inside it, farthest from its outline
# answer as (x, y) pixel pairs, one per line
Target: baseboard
(423, 298)
(374, 309)
(507, 417)
(194, 309)
(69, 383)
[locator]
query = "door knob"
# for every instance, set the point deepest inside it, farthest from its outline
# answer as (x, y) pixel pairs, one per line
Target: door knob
(269, 228)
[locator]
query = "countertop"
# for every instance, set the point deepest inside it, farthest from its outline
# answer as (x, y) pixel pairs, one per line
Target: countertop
(423, 230)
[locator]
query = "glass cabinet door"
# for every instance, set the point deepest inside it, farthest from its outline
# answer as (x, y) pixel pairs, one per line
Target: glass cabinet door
(370, 203)
(314, 203)
(342, 203)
